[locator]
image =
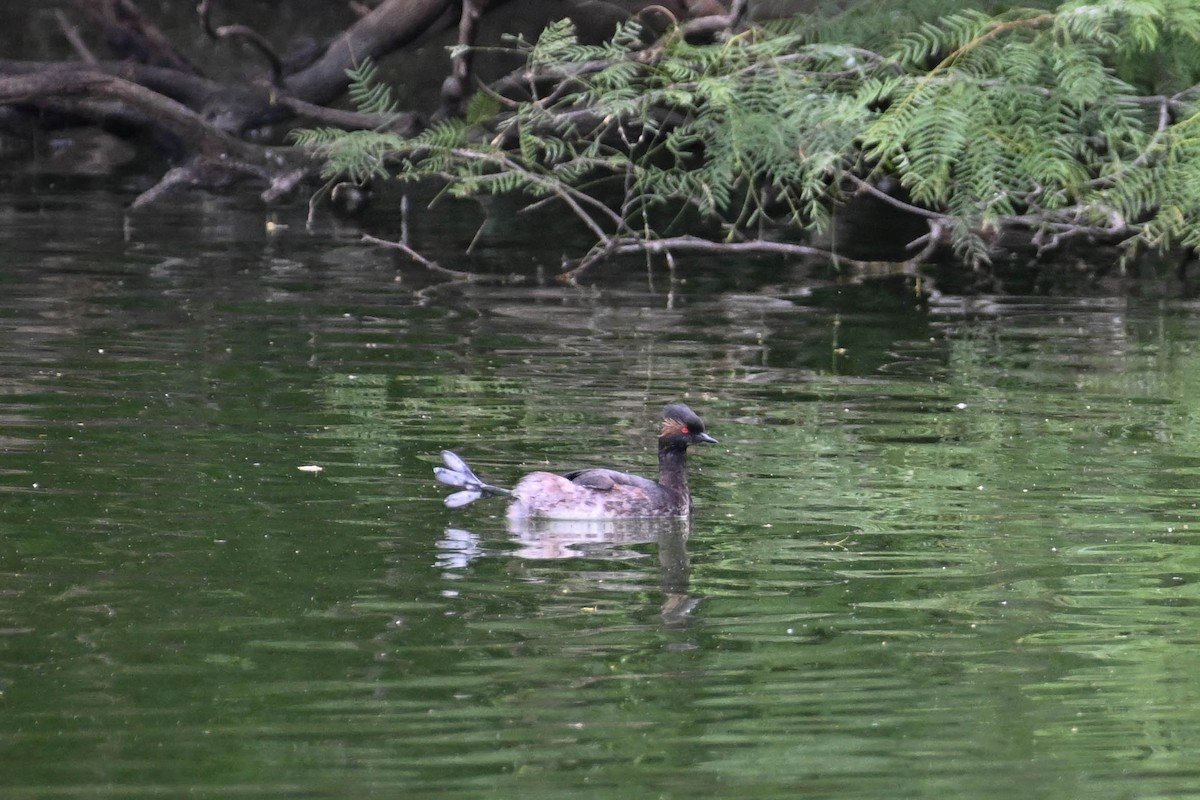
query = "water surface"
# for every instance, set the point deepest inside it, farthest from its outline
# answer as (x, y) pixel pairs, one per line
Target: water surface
(944, 549)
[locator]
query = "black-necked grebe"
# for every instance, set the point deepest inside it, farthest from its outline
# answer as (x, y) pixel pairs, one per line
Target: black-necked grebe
(595, 493)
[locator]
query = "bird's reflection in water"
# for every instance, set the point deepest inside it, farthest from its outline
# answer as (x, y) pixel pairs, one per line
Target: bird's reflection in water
(609, 540)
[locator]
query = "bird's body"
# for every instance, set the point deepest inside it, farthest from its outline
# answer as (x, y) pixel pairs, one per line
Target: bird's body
(595, 493)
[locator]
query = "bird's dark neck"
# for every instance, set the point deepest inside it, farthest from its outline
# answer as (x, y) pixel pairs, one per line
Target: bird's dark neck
(672, 474)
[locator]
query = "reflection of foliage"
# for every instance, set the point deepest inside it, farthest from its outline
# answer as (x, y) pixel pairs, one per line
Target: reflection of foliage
(1023, 120)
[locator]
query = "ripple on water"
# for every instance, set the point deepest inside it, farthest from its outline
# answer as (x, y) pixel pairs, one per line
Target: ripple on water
(946, 551)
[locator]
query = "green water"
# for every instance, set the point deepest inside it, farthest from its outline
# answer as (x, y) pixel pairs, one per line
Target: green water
(945, 551)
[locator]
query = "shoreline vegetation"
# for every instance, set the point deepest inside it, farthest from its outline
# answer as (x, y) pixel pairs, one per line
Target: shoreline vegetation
(1028, 134)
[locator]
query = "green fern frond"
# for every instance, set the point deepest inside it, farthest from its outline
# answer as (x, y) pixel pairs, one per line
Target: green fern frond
(558, 44)
(360, 155)
(481, 107)
(367, 93)
(442, 135)
(980, 118)
(934, 40)
(316, 138)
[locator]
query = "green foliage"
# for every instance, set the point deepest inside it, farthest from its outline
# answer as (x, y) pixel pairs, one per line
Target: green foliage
(1034, 118)
(360, 155)
(368, 95)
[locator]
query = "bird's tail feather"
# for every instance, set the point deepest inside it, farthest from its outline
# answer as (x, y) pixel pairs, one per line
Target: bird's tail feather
(457, 473)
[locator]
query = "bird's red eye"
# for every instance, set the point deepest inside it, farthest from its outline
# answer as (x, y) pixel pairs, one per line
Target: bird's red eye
(683, 429)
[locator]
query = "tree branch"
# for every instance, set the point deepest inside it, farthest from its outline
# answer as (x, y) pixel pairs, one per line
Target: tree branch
(132, 36)
(392, 24)
(879, 194)
(192, 130)
(687, 243)
(433, 266)
(71, 33)
(251, 36)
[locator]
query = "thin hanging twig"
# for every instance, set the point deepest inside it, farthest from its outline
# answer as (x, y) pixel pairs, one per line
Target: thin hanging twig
(251, 36)
(434, 267)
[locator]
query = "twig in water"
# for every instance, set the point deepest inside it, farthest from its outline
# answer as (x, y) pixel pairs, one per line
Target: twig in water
(433, 266)
(623, 246)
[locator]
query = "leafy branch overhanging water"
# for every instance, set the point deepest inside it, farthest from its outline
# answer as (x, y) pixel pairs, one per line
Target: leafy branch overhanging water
(1031, 122)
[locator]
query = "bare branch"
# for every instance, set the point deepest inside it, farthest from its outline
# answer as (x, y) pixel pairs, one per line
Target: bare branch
(433, 266)
(688, 243)
(402, 124)
(879, 194)
(245, 33)
(712, 24)
(392, 24)
(172, 116)
(454, 88)
(135, 37)
(71, 32)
